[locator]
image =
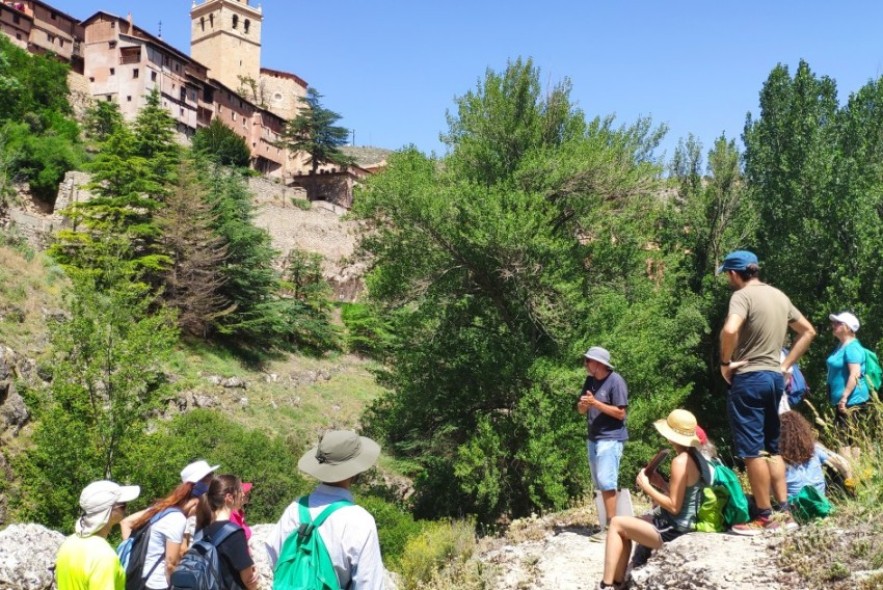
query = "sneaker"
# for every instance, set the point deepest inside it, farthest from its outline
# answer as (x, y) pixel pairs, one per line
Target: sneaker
(599, 537)
(755, 527)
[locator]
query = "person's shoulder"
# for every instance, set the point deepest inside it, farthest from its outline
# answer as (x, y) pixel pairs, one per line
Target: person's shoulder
(172, 519)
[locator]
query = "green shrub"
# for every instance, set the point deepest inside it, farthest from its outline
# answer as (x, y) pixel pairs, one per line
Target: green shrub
(366, 330)
(303, 204)
(441, 544)
(270, 462)
(395, 526)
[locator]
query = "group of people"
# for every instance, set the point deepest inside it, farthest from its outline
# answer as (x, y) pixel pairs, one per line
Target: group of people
(777, 445)
(204, 504)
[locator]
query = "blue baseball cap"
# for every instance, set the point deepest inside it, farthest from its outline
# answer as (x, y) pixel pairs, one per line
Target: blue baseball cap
(738, 260)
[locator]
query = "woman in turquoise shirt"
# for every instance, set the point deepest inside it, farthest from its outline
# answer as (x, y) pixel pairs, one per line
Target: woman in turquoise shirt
(847, 389)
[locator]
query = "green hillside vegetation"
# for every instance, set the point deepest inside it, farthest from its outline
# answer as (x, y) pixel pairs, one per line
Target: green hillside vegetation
(542, 231)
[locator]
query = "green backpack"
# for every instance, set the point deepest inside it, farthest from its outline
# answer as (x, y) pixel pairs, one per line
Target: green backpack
(808, 504)
(873, 372)
(304, 563)
(736, 509)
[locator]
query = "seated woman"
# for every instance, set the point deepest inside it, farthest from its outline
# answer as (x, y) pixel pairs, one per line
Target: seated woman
(676, 510)
(804, 457)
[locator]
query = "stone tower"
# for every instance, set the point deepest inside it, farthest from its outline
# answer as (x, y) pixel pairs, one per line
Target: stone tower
(225, 35)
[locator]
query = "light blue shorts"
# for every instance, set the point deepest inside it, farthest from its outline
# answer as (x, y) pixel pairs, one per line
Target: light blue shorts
(604, 457)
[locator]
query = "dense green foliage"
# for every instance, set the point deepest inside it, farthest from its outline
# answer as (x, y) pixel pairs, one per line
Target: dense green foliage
(222, 145)
(106, 379)
(39, 140)
(502, 262)
(815, 180)
(314, 132)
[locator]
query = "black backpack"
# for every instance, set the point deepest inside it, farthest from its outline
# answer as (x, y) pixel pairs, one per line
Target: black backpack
(133, 553)
(200, 568)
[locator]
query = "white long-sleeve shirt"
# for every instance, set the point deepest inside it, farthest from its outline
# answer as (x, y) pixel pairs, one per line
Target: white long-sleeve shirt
(349, 534)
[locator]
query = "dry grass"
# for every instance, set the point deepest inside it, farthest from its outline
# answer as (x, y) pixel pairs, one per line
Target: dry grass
(30, 286)
(846, 549)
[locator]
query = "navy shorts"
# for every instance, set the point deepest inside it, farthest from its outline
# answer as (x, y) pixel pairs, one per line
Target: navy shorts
(753, 408)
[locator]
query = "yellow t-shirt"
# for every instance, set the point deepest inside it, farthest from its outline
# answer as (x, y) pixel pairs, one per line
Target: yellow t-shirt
(88, 563)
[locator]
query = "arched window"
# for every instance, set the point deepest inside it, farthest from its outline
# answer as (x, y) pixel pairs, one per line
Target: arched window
(235, 21)
(211, 20)
(246, 25)
(202, 22)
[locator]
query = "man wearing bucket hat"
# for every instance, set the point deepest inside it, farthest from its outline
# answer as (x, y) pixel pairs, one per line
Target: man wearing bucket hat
(85, 560)
(751, 341)
(603, 400)
(349, 532)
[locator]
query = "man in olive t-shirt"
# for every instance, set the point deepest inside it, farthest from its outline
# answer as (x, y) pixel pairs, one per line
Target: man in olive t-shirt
(751, 342)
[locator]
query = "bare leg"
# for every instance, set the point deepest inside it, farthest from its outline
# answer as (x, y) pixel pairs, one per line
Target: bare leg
(759, 478)
(609, 497)
(777, 478)
(623, 530)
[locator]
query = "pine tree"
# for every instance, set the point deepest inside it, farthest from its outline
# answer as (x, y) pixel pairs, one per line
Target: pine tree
(314, 132)
(194, 280)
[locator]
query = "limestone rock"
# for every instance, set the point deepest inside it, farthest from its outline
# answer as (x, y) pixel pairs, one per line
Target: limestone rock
(27, 551)
(233, 383)
(13, 411)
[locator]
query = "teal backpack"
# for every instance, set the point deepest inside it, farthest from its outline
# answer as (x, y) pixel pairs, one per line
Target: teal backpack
(873, 372)
(724, 503)
(304, 563)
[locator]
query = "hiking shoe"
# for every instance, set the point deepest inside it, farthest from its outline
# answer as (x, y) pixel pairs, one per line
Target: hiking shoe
(755, 527)
(599, 537)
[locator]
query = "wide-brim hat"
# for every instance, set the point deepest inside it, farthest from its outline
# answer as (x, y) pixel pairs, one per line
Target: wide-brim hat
(340, 454)
(679, 427)
(602, 355)
(96, 503)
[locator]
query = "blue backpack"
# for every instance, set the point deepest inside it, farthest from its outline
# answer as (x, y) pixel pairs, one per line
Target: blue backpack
(797, 388)
(200, 568)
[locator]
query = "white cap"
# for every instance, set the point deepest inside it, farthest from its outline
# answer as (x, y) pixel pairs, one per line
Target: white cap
(844, 317)
(196, 471)
(97, 500)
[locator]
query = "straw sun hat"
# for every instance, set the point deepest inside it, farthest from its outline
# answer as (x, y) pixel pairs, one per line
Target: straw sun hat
(679, 427)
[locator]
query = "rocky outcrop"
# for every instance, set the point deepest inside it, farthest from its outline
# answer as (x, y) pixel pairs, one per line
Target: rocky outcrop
(13, 411)
(27, 552)
(711, 560)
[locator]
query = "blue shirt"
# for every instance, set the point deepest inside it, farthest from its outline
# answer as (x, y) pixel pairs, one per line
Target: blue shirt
(838, 373)
(808, 474)
(612, 391)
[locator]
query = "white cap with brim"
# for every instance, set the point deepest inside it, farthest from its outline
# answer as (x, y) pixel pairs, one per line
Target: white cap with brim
(196, 471)
(96, 502)
(340, 454)
(844, 317)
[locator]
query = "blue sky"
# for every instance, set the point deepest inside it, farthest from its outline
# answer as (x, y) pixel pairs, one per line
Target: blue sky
(392, 67)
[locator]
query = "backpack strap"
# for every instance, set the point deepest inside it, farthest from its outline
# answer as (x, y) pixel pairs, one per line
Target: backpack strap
(228, 529)
(307, 525)
(153, 520)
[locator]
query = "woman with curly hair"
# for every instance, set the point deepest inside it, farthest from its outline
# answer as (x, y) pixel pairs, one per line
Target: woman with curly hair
(803, 457)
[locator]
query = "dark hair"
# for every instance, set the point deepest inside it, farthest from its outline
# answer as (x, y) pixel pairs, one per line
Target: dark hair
(178, 497)
(749, 272)
(216, 496)
(796, 439)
